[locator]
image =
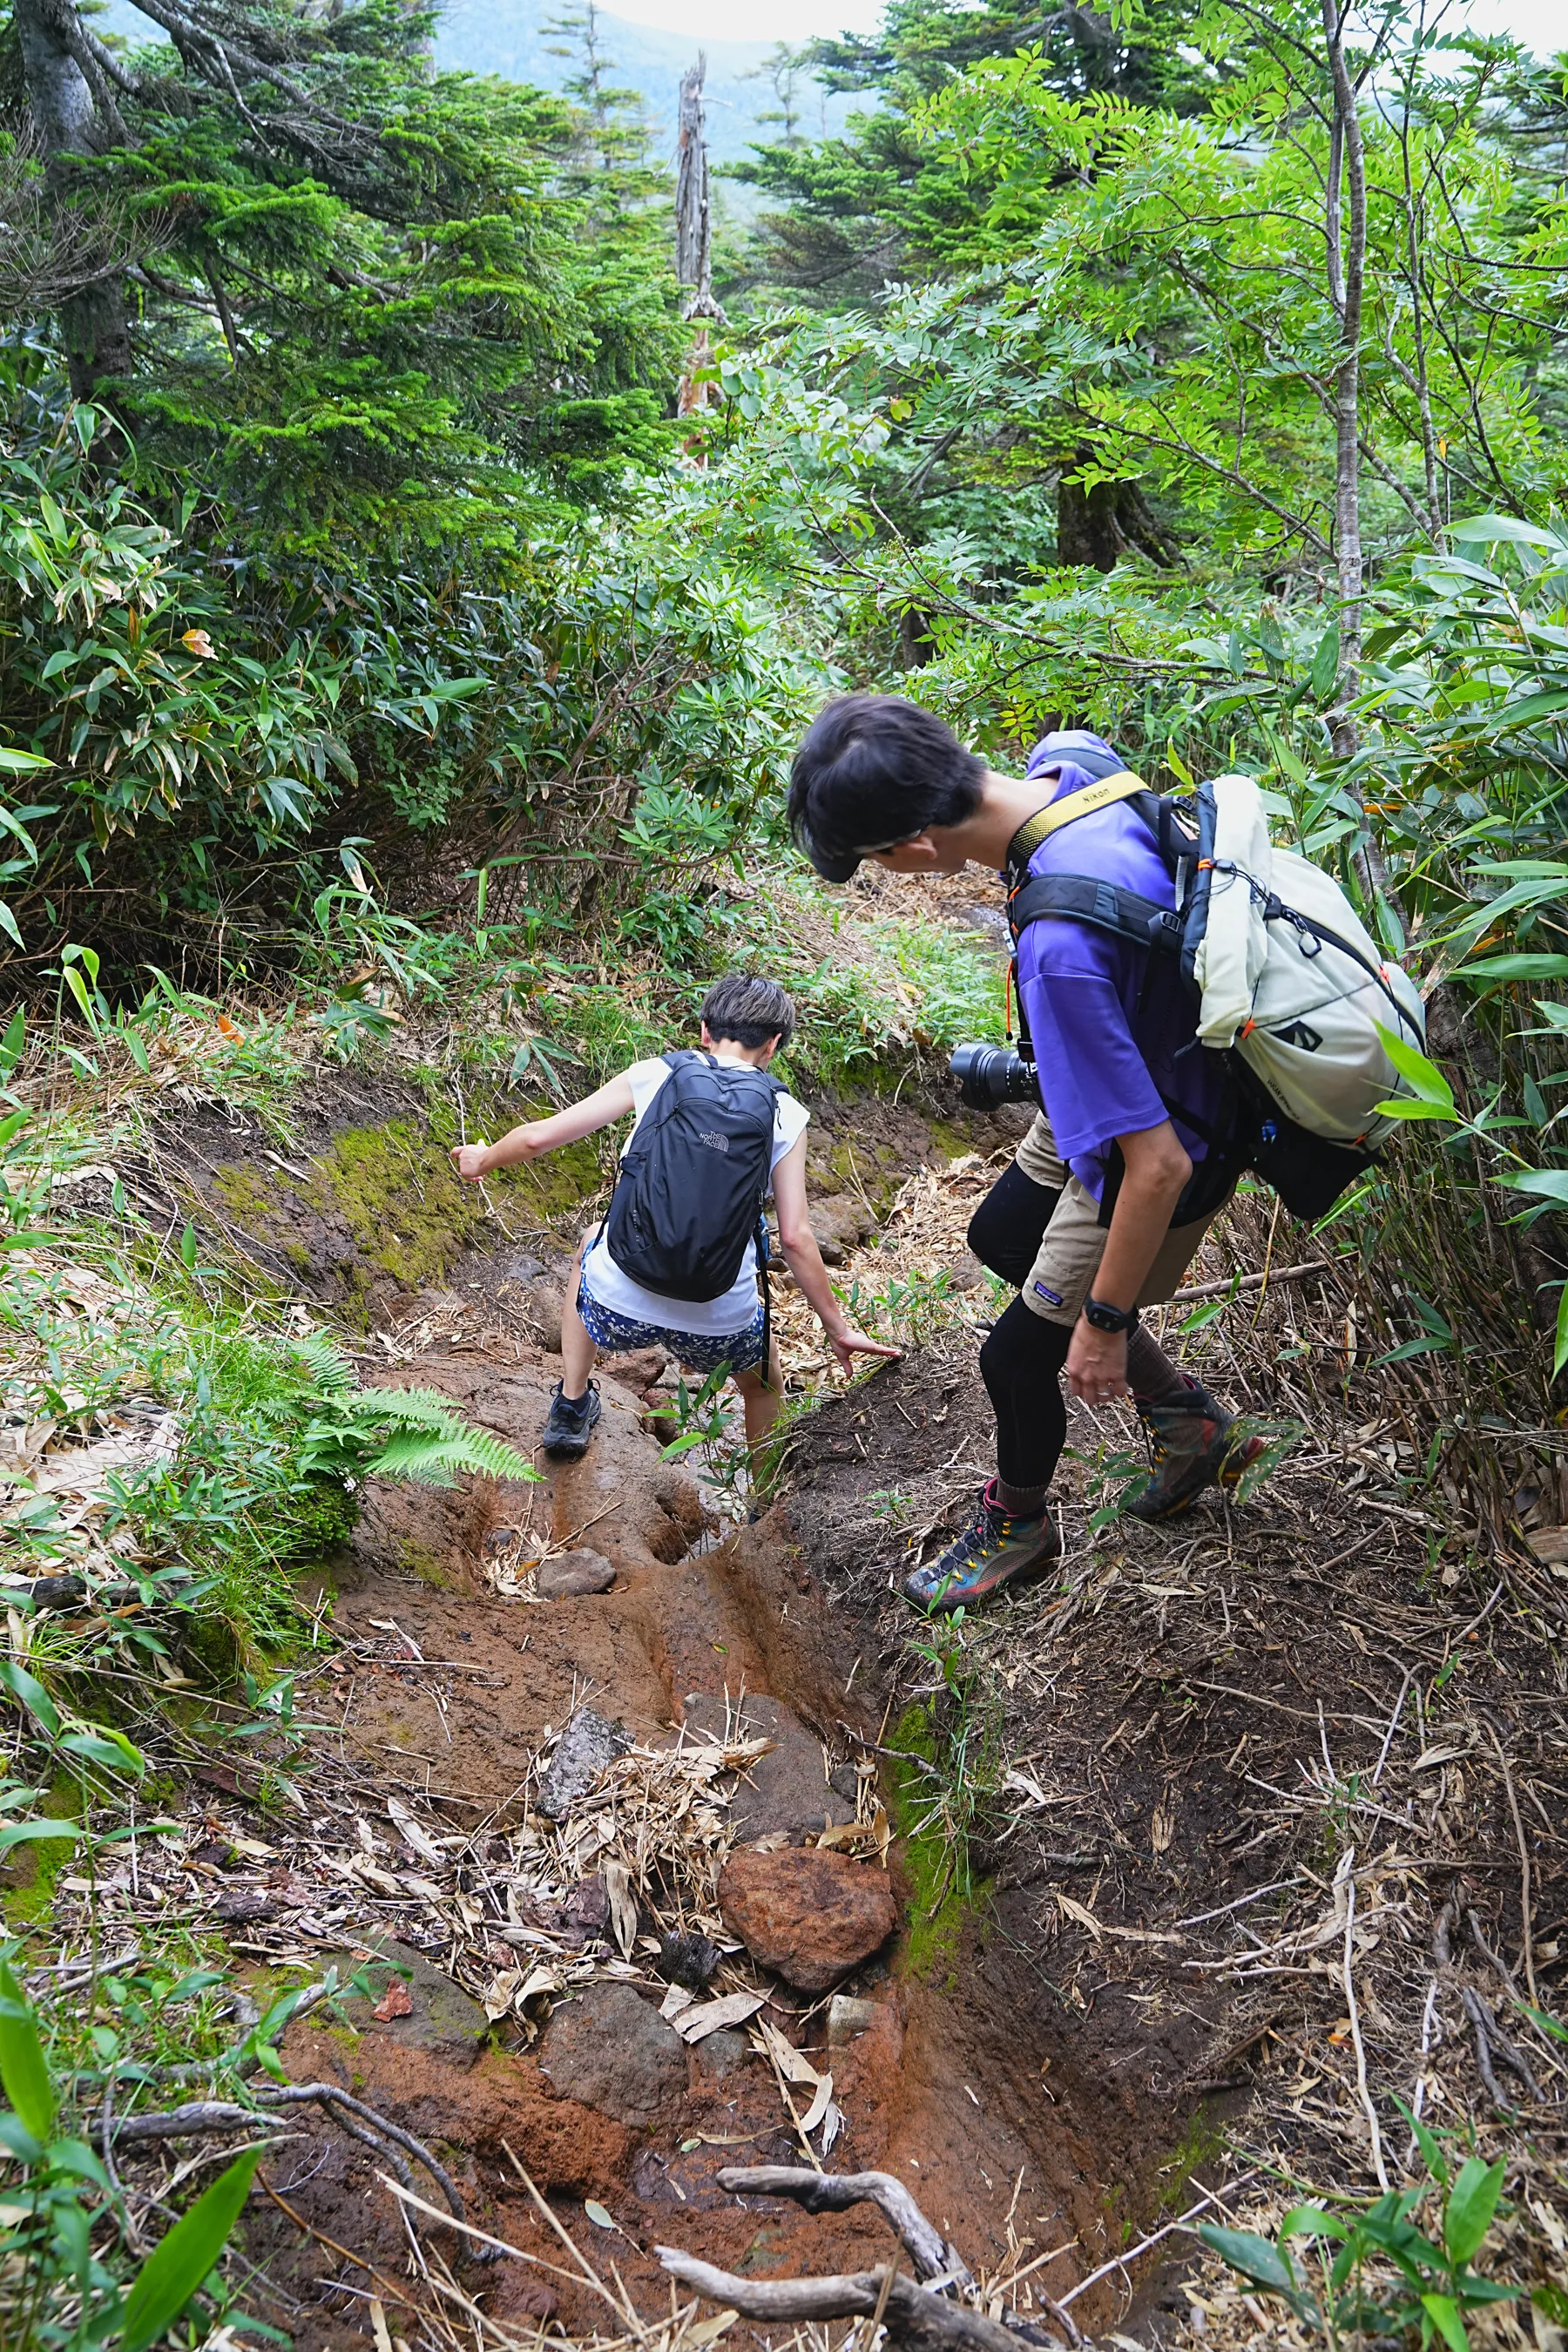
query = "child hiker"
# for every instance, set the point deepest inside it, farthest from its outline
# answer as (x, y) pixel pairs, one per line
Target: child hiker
(674, 1262)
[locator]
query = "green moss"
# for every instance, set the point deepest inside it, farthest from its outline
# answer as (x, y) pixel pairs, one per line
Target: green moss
(248, 1198)
(951, 1141)
(558, 1188)
(419, 1561)
(942, 1893)
(30, 1873)
(408, 1212)
(1199, 2144)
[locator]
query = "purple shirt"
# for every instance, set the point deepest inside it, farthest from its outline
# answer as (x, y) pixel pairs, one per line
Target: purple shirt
(1115, 1058)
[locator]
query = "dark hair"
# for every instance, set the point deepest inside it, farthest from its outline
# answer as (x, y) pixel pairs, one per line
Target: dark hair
(873, 769)
(749, 1011)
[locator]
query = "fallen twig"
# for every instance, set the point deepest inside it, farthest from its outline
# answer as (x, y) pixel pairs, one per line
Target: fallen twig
(1362, 2089)
(1527, 1928)
(912, 2314)
(835, 2193)
(1121, 2262)
(199, 2118)
(1250, 1282)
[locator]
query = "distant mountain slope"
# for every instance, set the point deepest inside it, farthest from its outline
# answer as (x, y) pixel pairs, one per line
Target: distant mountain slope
(507, 37)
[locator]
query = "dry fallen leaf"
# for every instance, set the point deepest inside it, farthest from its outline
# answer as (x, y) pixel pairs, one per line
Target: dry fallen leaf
(395, 2001)
(623, 1907)
(819, 2105)
(694, 2024)
(409, 1831)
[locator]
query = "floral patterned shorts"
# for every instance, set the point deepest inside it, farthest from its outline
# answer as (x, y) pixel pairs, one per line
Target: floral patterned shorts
(695, 1351)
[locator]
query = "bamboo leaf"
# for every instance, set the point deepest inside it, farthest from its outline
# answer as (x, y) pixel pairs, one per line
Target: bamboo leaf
(175, 2268)
(24, 2069)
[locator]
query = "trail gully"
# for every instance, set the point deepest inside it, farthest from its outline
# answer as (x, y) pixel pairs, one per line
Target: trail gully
(1238, 1784)
(449, 1696)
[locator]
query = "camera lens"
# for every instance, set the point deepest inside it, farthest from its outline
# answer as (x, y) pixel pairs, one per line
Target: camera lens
(989, 1075)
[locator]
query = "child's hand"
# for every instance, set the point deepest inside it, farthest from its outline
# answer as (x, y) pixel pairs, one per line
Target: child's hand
(468, 1158)
(848, 1343)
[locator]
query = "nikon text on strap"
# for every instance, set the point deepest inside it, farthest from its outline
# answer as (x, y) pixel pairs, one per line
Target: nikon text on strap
(1056, 813)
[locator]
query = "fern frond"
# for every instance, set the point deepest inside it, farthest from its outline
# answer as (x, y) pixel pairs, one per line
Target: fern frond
(435, 1458)
(334, 1372)
(409, 1409)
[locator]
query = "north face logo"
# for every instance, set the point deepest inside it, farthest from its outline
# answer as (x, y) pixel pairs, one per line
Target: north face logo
(715, 1142)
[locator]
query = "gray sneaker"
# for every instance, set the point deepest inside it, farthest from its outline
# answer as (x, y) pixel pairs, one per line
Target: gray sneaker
(571, 1423)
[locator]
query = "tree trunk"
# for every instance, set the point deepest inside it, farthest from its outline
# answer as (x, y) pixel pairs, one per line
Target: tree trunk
(1095, 527)
(693, 225)
(65, 115)
(694, 244)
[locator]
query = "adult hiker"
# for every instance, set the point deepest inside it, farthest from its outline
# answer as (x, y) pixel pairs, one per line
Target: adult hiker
(1125, 1166)
(674, 1263)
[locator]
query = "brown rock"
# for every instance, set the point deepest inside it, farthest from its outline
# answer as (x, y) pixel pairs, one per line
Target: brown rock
(571, 1574)
(637, 1369)
(812, 1916)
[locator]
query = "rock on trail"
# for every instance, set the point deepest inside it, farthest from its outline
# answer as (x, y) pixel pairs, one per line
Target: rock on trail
(612, 2049)
(586, 1749)
(808, 1915)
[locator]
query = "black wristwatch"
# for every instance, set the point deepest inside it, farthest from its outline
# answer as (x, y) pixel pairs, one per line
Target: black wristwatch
(1109, 1318)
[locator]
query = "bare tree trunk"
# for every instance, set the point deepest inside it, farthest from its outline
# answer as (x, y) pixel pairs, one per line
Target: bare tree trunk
(1346, 237)
(66, 115)
(694, 240)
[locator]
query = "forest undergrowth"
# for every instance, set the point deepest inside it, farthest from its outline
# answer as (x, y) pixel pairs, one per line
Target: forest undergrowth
(398, 681)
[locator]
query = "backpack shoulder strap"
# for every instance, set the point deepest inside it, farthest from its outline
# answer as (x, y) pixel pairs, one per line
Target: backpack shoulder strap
(1103, 906)
(1056, 813)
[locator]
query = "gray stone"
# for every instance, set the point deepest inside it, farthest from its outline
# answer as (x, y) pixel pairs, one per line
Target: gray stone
(583, 1753)
(719, 2054)
(848, 2017)
(442, 2019)
(573, 1574)
(614, 2053)
(783, 1793)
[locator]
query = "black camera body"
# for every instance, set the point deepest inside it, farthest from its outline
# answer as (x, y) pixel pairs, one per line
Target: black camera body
(990, 1075)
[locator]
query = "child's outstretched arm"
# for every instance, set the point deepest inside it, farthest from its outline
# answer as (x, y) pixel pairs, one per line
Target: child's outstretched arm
(473, 1161)
(798, 1244)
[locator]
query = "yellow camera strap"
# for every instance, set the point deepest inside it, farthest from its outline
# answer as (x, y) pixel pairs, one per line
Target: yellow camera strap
(1083, 803)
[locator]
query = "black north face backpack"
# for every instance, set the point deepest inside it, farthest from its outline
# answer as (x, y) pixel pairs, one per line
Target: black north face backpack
(690, 1194)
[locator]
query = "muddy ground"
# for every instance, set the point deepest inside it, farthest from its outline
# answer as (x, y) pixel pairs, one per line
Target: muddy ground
(1139, 1937)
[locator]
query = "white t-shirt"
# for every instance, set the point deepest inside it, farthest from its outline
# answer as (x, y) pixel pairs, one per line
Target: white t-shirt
(735, 1309)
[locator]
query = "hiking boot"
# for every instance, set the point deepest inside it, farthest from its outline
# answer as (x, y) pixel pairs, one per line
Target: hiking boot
(1190, 1447)
(995, 1550)
(571, 1423)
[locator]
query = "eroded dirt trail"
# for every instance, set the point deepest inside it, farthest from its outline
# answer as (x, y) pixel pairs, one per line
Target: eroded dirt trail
(1197, 1750)
(940, 2080)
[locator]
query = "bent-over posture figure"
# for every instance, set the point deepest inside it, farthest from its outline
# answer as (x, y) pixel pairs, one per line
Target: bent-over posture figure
(1125, 1169)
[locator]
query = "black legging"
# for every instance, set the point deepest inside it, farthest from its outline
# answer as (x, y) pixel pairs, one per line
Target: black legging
(1006, 1229)
(1021, 1364)
(1023, 1358)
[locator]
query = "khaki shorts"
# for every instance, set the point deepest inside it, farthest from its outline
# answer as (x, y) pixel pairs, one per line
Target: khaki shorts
(1062, 1275)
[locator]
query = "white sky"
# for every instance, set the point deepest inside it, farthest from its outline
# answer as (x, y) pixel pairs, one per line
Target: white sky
(1541, 23)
